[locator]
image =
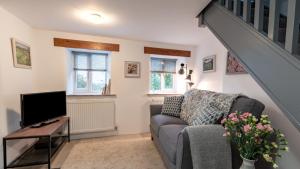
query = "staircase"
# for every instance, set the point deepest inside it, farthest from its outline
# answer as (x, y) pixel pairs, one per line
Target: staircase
(264, 36)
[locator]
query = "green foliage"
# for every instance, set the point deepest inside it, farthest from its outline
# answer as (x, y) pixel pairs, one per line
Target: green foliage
(81, 81)
(168, 80)
(23, 56)
(159, 80)
(155, 81)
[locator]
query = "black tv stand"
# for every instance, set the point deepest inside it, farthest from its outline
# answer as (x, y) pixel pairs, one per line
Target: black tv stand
(43, 143)
(44, 123)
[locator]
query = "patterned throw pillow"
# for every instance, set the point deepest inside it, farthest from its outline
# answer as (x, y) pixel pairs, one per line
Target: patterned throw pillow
(192, 104)
(205, 107)
(213, 107)
(172, 106)
(208, 115)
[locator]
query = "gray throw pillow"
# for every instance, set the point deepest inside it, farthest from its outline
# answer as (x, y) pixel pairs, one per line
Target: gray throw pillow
(172, 106)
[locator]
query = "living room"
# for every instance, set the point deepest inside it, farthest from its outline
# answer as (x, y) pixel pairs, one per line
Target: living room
(170, 29)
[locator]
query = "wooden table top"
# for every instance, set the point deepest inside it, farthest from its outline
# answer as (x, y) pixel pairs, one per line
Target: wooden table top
(44, 131)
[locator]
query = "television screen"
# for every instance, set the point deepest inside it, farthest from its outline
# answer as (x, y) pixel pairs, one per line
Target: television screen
(41, 107)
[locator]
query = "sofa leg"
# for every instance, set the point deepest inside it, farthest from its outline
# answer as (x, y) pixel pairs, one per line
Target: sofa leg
(151, 138)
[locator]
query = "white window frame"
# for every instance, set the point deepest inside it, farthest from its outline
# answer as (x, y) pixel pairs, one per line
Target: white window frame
(163, 90)
(89, 70)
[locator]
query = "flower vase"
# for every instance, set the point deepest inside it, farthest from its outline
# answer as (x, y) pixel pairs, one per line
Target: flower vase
(248, 164)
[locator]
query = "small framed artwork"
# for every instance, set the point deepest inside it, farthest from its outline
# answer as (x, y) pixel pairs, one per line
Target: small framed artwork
(132, 69)
(233, 66)
(209, 63)
(21, 54)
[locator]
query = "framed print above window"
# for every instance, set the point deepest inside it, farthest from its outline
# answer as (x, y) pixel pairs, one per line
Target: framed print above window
(21, 54)
(132, 69)
(209, 63)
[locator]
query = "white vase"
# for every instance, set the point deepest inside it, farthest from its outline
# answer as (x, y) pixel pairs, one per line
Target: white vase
(248, 164)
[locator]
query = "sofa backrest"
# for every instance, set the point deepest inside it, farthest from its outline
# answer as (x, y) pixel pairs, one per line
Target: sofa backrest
(244, 104)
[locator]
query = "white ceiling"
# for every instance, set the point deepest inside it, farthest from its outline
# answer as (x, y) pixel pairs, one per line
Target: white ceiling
(170, 21)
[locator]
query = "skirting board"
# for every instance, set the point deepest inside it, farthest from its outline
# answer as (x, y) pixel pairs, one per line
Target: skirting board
(94, 135)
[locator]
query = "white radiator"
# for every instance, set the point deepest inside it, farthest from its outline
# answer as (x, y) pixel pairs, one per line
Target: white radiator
(91, 115)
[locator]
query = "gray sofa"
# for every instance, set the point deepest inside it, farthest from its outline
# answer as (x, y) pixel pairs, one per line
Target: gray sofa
(173, 142)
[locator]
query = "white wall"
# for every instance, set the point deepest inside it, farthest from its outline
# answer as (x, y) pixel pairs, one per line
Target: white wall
(49, 72)
(245, 84)
(208, 47)
(132, 102)
(13, 80)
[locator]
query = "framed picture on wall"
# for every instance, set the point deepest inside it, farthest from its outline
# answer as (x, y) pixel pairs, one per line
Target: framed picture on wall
(233, 65)
(132, 69)
(209, 63)
(21, 54)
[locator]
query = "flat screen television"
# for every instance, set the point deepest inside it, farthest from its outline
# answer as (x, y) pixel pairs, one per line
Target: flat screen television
(37, 108)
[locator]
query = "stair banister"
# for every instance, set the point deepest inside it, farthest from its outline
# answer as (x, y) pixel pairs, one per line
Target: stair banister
(275, 69)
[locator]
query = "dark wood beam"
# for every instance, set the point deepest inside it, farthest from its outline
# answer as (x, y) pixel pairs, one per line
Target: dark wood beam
(70, 43)
(170, 52)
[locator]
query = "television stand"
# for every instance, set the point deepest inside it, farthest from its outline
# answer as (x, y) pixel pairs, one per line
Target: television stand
(44, 123)
(51, 139)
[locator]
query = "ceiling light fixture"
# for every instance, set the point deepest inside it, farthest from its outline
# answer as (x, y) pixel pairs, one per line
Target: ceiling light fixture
(94, 18)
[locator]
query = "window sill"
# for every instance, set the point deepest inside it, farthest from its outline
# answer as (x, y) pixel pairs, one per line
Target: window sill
(163, 94)
(93, 95)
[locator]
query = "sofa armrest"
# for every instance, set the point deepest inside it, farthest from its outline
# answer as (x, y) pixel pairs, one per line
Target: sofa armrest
(155, 109)
(183, 153)
(207, 142)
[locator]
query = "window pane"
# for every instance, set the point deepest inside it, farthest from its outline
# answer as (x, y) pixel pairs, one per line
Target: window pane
(266, 16)
(170, 65)
(283, 5)
(168, 77)
(163, 65)
(98, 81)
(81, 80)
(81, 61)
(155, 81)
(98, 62)
(156, 64)
(252, 11)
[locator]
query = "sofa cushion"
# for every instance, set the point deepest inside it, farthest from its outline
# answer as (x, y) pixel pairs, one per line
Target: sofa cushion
(160, 120)
(245, 104)
(172, 106)
(168, 138)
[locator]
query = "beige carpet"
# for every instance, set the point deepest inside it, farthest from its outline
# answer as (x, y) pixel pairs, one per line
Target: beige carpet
(122, 152)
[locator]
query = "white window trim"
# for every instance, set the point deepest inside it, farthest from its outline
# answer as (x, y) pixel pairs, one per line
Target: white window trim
(88, 90)
(164, 91)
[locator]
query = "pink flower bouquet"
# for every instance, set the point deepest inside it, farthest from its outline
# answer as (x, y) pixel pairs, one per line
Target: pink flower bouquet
(254, 138)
